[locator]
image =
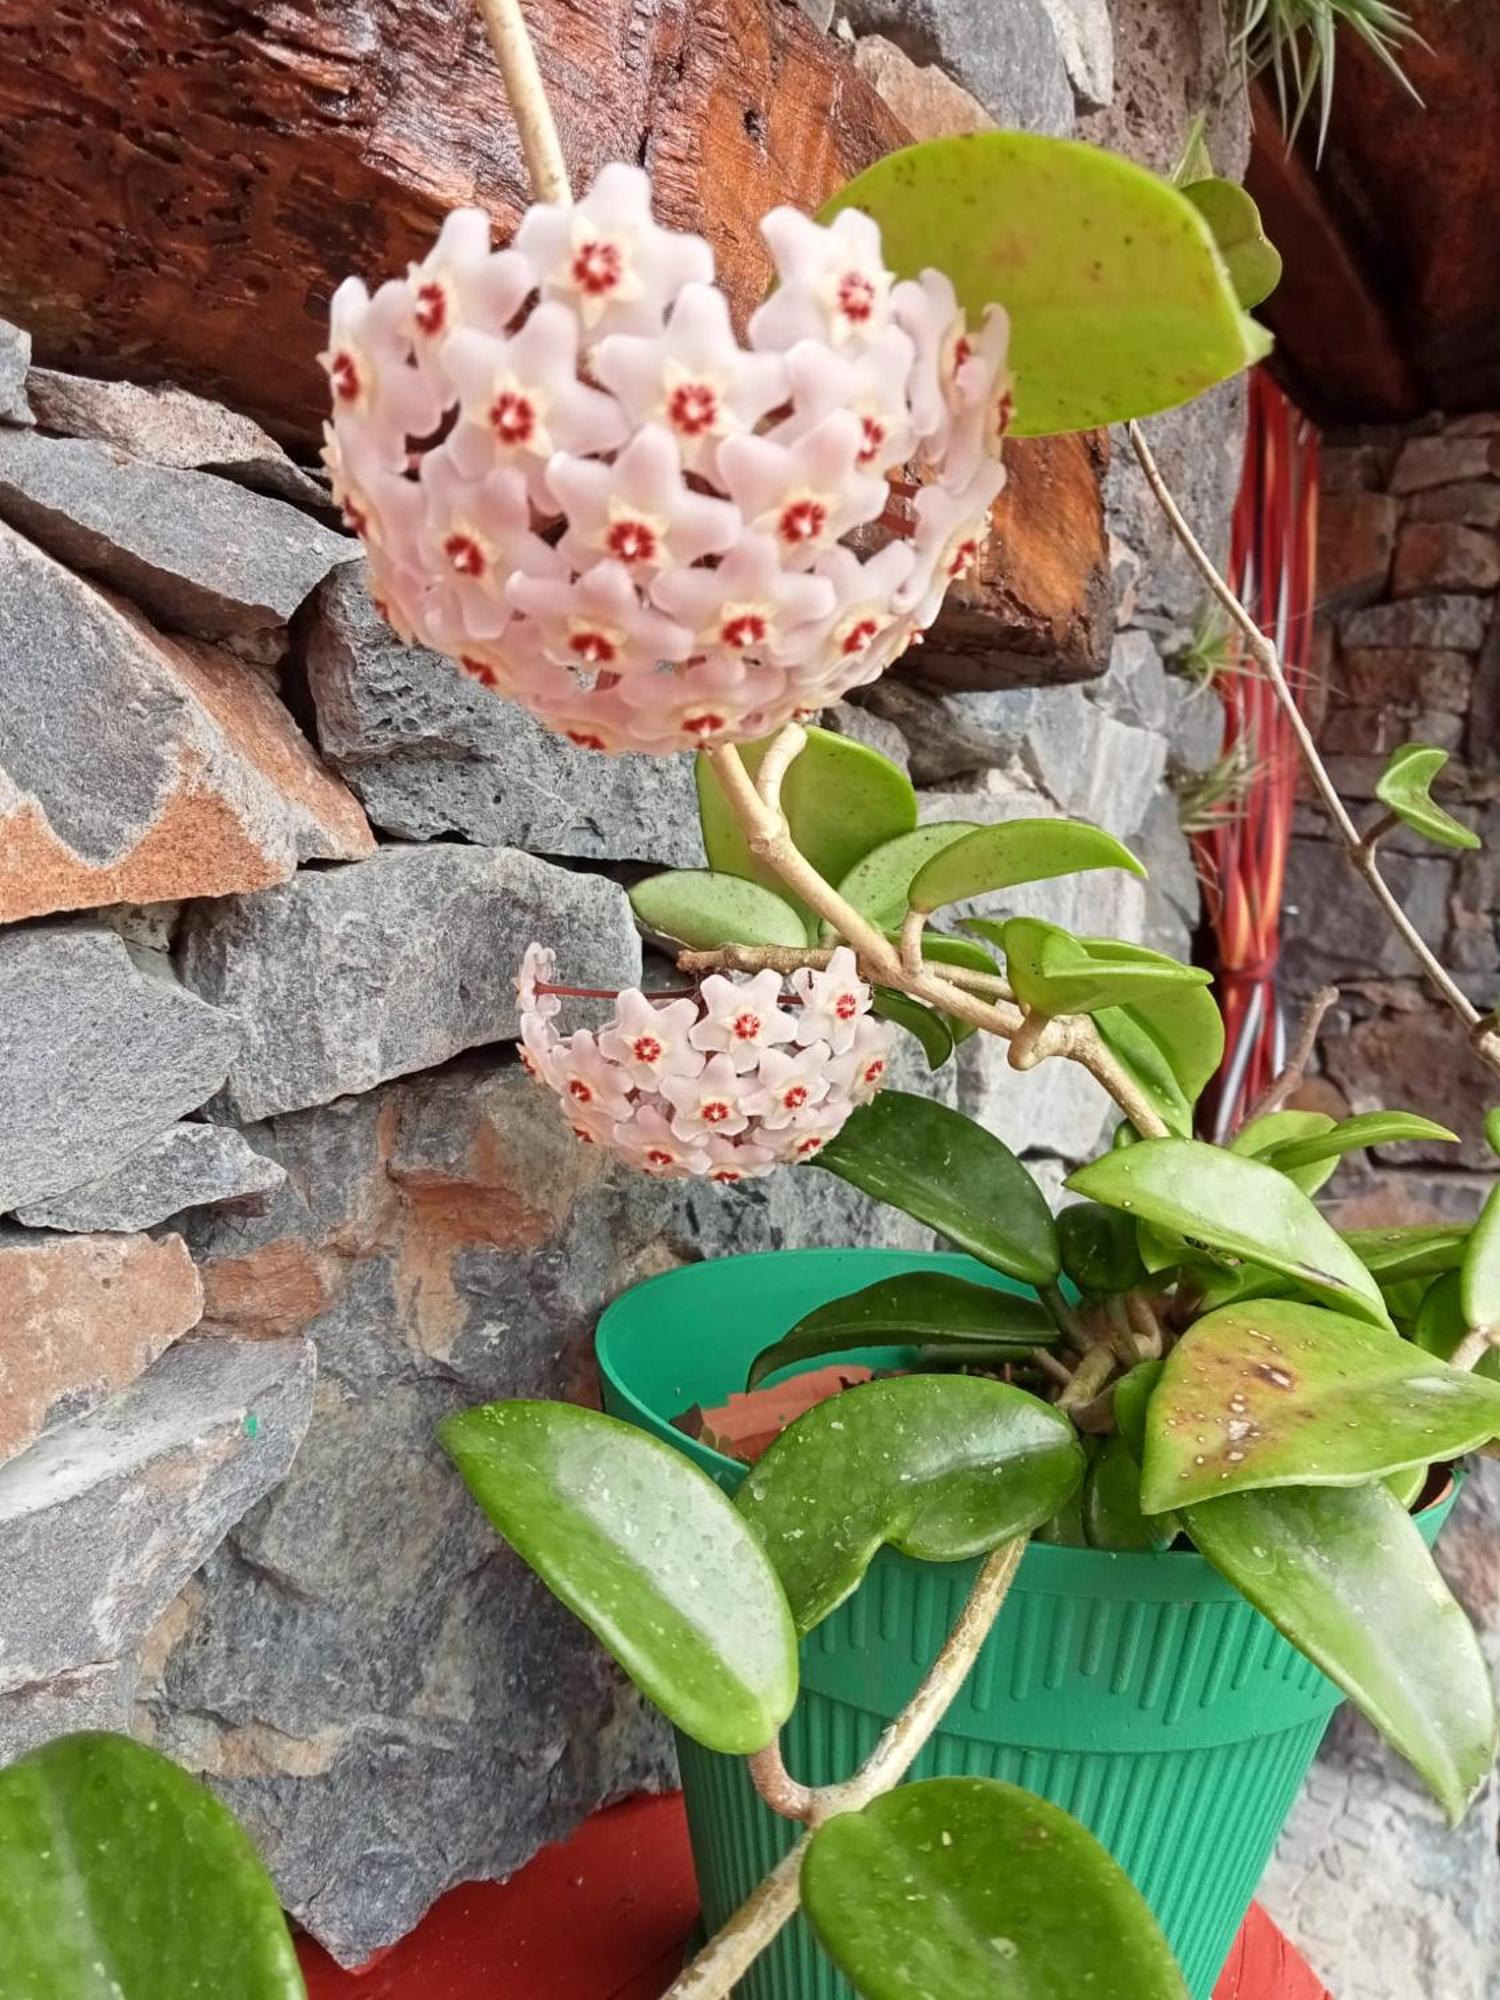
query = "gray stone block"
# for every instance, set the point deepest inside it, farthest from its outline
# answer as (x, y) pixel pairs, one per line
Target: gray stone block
(187, 1166)
(1456, 622)
(1007, 57)
(200, 554)
(1086, 38)
(346, 976)
(430, 752)
(100, 1049)
(15, 358)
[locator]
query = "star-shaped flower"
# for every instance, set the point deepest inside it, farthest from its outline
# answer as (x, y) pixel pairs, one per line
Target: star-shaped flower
(950, 532)
(649, 1142)
(742, 1017)
(834, 284)
(461, 282)
(870, 383)
(476, 533)
(710, 698)
(640, 510)
(834, 1002)
(861, 1071)
(789, 1083)
(735, 1160)
(707, 1103)
(749, 603)
(693, 378)
(650, 1042)
(599, 622)
(376, 389)
(608, 259)
(863, 594)
(587, 1080)
(520, 400)
(803, 495)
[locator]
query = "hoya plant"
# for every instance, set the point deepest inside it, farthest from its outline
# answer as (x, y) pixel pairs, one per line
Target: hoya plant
(575, 477)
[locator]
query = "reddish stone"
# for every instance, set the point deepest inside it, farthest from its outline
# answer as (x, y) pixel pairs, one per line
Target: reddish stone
(1439, 461)
(926, 99)
(1356, 533)
(1444, 555)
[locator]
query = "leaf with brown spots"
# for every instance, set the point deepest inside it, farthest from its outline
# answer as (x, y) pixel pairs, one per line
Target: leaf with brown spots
(1277, 1393)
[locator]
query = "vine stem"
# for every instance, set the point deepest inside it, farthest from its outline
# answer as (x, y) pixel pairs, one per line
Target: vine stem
(756, 804)
(1292, 1077)
(1361, 850)
(510, 39)
(766, 1912)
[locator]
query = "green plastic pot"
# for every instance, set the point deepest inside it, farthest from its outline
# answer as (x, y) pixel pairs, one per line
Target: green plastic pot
(1138, 1691)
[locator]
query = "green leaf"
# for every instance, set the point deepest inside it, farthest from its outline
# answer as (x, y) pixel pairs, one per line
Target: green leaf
(1172, 1042)
(1019, 850)
(1054, 972)
(1370, 1128)
(1345, 1575)
(927, 1027)
(938, 1466)
(1236, 1205)
(647, 1551)
(1409, 1250)
(704, 910)
(1112, 1517)
(1119, 302)
(1279, 1393)
(121, 1875)
(1132, 1401)
(918, 1307)
(1479, 1274)
(878, 886)
(1138, 1051)
(1404, 788)
(1099, 1249)
(1259, 1138)
(943, 1169)
(972, 1889)
(1439, 1325)
(840, 799)
(1492, 1129)
(1252, 260)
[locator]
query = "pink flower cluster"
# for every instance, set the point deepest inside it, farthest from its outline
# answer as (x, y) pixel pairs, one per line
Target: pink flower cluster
(726, 1086)
(571, 477)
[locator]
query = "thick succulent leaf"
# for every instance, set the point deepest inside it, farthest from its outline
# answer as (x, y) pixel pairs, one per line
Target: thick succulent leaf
(1132, 1402)
(1492, 1129)
(1172, 1042)
(939, 1466)
(971, 1889)
(1439, 1325)
(1133, 1045)
(1251, 258)
(1479, 1274)
(878, 885)
(703, 910)
(925, 1027)
(947, 1171)
(1404, 787)
(1119, 301)
(1262, 1135)
(1408, 1250)
(1053, 972)
(1019, 850)
(840, 799)
(122, 1876)
(1236, 1205)
(918, 1308)
(1370, 1128)
(648, 1552)
(1112, 1517)
(1345, 1575)
(1099, 1247)
(1278, 1393)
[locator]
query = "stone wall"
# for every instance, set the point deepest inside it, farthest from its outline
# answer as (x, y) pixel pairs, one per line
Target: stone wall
(272, 1175)
(1386, 1900)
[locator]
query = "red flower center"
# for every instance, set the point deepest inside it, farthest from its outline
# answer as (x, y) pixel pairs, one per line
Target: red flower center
(747, 628)
(586, 740)
(874, 1071)
(647, 1049)
(810, 1145)
(513, 417)
(746, 1027)
(794, 1096)
(703, 725)
(431, 310)
(859, 635)
(355, 517)
(963, 350)
(343, 373)
(579, 1091)
(465, 554)
(1005, 409)
(479, 670)
(726, 1176)
(802, 520)
(633, 541)
(581, 1132)
(856, 297)
(874, 431)
(597, 268)
(846, 1006)
(658, 1156)
(715, 1110)
(596, 648)
(693, 408)
(964, 556)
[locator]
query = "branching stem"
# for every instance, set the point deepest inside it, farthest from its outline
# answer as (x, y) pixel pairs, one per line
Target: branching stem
(1361, 851)
(1290, 1079)
(510, 39)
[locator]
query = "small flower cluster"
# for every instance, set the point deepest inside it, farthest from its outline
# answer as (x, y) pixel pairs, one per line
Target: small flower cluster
(726, 1086)
(571, 477)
